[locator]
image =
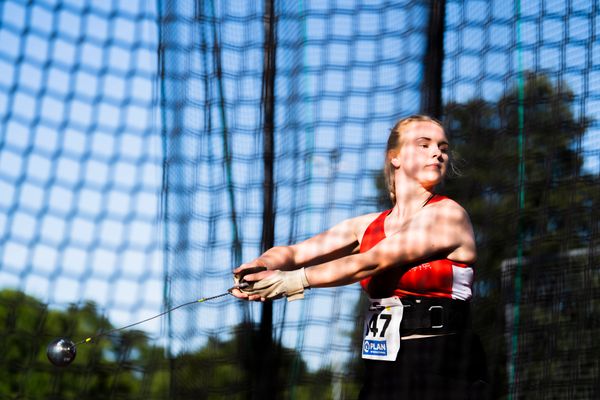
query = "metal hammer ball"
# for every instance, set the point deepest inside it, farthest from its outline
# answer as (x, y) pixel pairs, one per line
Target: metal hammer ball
(61, 352)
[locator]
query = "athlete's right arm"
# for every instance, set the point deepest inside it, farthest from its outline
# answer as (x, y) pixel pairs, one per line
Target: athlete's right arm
(338, 241)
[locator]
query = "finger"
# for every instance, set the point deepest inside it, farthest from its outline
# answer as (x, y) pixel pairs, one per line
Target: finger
(257, 276)
(241, 285)
(241, 268)
(239, 294)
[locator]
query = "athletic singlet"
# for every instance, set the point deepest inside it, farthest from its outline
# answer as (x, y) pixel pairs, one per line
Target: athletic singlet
(434, 278)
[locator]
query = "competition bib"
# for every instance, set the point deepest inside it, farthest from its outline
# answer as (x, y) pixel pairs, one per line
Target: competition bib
(381, 339)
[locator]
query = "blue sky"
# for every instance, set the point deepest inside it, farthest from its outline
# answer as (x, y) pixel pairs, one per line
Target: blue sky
(80, 155)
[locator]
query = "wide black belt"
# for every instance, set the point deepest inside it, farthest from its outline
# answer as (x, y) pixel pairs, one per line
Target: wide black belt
(427, 316)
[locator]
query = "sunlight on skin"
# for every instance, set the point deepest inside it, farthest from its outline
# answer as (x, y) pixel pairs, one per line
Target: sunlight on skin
(413, 232)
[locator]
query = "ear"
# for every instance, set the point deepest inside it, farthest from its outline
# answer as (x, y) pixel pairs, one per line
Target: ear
(395, 162)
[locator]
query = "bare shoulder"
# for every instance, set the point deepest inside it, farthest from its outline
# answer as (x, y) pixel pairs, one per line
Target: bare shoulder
(362, 222)
(447, 208)
(453, 222)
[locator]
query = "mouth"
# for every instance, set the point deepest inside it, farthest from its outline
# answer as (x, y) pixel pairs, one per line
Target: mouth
(436, 166)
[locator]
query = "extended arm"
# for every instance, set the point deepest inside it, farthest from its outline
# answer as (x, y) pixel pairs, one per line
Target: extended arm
(339, 241)
(442, 230)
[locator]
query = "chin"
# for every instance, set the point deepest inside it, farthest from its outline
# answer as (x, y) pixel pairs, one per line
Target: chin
(432, 181)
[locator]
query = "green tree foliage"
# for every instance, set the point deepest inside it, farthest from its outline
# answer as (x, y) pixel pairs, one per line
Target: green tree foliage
(486, 135)
(125, 365)
(224, 369)
(104, 367)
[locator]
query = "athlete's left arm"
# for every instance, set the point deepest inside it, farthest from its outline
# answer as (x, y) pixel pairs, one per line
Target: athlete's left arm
(442, 229)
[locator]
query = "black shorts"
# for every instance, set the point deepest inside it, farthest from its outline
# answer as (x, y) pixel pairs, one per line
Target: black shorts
(442, 367)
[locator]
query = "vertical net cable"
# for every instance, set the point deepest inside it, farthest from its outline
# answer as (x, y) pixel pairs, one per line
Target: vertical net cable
(521, 185)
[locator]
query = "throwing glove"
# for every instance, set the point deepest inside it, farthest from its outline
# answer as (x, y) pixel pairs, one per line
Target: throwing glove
(283, 283)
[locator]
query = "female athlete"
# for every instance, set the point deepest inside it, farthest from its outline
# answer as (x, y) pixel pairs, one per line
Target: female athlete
(415, 262)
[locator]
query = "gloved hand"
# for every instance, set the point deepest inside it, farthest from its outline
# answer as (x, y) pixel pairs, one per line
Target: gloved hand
(281, 283)
(238, 279)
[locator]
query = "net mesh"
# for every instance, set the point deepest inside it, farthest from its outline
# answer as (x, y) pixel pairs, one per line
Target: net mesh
(80, 182)
(115, 117)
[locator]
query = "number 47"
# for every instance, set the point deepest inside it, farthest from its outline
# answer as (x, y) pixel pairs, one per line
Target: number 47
(372, 325)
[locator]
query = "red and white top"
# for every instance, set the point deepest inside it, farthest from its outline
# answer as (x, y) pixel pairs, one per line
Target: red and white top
(434, 278)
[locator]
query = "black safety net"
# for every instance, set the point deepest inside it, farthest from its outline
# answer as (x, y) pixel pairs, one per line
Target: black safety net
(149, 148)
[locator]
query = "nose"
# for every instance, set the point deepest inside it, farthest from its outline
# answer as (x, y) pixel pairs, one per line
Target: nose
(437, 153)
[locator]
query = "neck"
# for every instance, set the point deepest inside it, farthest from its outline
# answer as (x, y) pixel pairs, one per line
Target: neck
(410, 198)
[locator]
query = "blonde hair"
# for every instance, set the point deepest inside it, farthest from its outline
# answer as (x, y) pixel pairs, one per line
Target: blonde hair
(394, 143)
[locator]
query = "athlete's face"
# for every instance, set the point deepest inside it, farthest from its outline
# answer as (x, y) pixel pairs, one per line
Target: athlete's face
(424, 153)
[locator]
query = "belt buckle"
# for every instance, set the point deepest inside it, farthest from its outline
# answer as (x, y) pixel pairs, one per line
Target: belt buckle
(441, 317)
